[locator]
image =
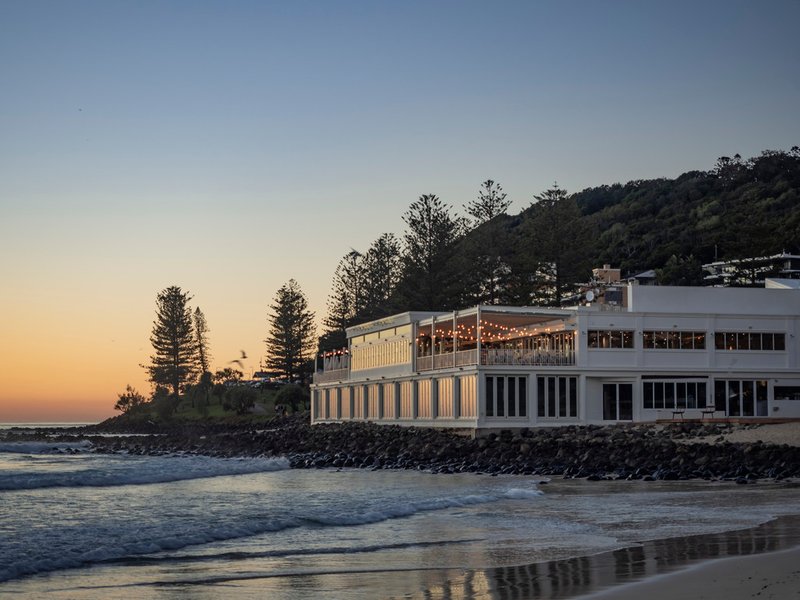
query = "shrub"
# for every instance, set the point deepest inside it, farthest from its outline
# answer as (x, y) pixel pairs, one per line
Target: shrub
(241, 398)
(129, 401)
(293, 395)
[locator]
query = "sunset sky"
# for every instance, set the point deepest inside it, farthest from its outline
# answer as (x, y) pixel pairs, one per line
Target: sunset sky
(226, 147)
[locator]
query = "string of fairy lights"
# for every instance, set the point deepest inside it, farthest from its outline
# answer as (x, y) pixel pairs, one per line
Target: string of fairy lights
(488, 331)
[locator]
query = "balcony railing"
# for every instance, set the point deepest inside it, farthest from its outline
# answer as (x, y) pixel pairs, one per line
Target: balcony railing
(496, 357)
(526, 357)
(330, 376)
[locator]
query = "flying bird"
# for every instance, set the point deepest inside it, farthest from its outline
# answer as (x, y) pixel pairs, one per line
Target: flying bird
(243, 354)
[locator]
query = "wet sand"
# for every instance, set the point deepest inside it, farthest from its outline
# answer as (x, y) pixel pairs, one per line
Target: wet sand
(775, 575)
(761, 562)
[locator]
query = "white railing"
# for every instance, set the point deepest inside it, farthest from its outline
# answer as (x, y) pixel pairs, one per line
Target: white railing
(496, 357)
(466, 357)
(447, 361)
(443, 361)
(329, 376)
(526, 357)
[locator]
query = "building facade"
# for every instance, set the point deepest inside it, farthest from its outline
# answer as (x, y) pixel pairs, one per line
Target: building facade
(668, 352)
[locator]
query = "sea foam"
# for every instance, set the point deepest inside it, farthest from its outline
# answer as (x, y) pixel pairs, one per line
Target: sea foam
(141, 550)
(43, 447)
(118, 471)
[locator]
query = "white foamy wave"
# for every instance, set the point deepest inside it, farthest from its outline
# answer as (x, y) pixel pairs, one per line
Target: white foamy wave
(125, 544)
(144, 470)
(43, 447)
(523, 494)
(406, 509)
(116, 552)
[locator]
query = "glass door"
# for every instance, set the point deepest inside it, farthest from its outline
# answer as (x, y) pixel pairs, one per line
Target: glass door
(618, 401)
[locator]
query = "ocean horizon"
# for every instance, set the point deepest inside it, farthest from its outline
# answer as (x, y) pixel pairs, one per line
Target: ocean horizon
(46, 424)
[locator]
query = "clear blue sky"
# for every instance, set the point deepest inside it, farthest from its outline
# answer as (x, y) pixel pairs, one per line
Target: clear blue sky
(227, 146)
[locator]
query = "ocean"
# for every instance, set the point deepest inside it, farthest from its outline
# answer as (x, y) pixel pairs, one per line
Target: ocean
(75, 524)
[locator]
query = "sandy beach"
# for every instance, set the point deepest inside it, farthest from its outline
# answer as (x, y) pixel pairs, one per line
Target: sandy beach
(768, 433)
(775, 575)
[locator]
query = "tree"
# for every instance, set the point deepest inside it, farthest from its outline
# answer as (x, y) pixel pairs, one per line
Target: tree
(174, 363)
(290, 342)
(199, 392)
(491, 203)
(129, 401)
(558, 241)
(429, 273)
(680, 270)
(486, 272)
(382, 270)
(228, 375)
(362, 290)
(201, 339)
(347, 298)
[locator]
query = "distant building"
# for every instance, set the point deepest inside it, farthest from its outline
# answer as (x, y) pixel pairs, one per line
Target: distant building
(662, 352)
(648, 277)
(751, 272)
(605, 289)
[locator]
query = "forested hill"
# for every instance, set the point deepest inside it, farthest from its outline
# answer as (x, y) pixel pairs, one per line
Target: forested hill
(738, 209)
(443, 261)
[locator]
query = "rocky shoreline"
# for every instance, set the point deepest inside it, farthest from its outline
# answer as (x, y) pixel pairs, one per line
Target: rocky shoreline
(641, 451)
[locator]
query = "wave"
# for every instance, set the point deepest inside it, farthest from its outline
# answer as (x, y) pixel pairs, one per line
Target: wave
(137, 552)
(400, 510)
(281, 553)
(146, 470)
(43, 447)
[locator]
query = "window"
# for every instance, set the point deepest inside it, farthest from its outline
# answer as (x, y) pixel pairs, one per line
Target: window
(674, 340)
(745, 340)
(618, 401)
(741, 398)
(610, 338)
(506, 396)
(671, 395)
(557, 397)
(787, 392)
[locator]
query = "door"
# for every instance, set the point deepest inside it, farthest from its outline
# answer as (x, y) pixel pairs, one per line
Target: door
(618, 401)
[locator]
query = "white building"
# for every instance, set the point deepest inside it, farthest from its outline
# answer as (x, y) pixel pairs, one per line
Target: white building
(751, 271)
(668, 352)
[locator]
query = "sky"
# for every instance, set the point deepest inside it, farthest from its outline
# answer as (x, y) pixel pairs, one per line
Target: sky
(226, 147)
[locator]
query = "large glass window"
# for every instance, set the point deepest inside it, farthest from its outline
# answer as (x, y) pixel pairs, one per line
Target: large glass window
(558, 397)
(673, 395)
(506, 396)
(787, 392)
(674, 340)
(741, 398)
(745, 340)
(610, 338)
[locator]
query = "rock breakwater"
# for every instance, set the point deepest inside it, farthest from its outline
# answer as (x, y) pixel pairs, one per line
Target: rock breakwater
(641, 451)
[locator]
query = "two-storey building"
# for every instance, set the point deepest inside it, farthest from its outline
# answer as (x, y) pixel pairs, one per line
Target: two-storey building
(666, 352)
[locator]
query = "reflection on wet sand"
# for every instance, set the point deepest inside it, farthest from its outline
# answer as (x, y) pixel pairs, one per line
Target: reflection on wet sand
(569, 578)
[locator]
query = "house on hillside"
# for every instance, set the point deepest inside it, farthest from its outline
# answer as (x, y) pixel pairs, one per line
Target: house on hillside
(751, 271)
(660, 353)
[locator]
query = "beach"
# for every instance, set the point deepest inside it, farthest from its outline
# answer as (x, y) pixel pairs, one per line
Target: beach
(169, 521)
(773, 576)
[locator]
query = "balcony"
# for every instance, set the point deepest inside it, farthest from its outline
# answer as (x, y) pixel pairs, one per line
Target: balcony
(537, 358)
(490, 357)
(331, 376)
